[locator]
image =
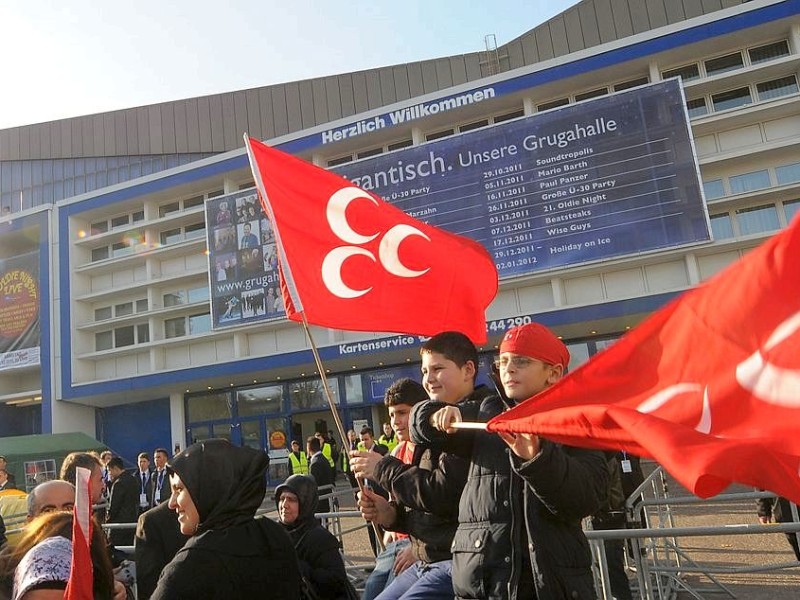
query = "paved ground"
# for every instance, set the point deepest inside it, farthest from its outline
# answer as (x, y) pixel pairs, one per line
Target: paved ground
(718, 551)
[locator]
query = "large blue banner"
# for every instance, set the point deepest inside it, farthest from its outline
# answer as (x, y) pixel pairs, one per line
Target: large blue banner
(611, 177)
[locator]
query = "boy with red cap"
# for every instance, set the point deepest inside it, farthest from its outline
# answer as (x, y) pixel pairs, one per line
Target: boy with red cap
(520, 514)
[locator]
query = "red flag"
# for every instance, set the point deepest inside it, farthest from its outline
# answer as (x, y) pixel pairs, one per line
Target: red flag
(349, 260)
(81, 580)
(709, 386)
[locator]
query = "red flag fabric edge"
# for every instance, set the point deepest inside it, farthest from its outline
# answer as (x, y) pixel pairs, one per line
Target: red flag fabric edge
(81, 579)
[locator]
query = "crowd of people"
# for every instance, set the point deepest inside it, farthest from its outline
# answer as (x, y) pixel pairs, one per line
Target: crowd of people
(463, 513)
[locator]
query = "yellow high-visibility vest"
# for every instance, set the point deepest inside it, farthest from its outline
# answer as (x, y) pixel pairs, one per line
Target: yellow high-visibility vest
(299, 465)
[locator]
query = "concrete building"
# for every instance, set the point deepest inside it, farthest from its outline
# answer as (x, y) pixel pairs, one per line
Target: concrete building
(109, 212)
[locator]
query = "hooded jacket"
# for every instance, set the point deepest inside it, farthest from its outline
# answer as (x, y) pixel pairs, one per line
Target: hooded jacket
(317, 549)
(231, 555)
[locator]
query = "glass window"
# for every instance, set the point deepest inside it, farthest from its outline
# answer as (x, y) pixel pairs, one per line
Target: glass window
(138, 216)
(141, 305)
(400, 144)
(686, 73)
(758, 219)
(123, 336)
(768, 52)
(591, 94)
(99, 227)
(222, 430)
(198, 294)
(791, 208)
(192, 202)
(722, 226)
(731, 99)
(777, 88)
(713, 189)
(142, 333)
(340, 161)
(198, 434)
(199, 323)
(696, 107)
(748, 182)
(353, 390)
(208, 407)
(723, 64)
(120, 221)
(626, 85)
(311, 394)
(121, 249)
(251, 434)
(101, 314)
(103, 341)
(579, 354)
(514, 114)
(437, 135)
(370, 152)
(171, 236)
(475, 125)
(260, 401)
(195, 230)
(174, 327)
(99, 253)
(788, 174)
(215, 193)
(169, 209)
(126, 308)
(175, 298)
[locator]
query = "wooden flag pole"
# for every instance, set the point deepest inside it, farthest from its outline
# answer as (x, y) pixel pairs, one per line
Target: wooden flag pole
(337, 419)
(468, 425)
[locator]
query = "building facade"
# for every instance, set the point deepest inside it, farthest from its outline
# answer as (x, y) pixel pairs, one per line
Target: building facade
(109, 213)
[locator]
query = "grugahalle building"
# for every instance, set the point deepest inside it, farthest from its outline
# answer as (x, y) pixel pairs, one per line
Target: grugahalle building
(116, 319)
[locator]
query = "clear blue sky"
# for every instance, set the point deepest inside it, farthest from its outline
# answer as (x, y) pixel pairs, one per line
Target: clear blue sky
(78, 57)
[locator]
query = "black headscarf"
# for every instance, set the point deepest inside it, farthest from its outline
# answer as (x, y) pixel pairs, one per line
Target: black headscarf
(305, 488)
(227, 483)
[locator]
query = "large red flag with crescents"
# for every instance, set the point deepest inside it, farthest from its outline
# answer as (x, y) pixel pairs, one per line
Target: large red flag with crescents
(81, 582)
(709, 386)
(349, 260)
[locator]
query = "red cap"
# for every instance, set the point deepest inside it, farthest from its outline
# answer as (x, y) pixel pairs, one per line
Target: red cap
(536, 341)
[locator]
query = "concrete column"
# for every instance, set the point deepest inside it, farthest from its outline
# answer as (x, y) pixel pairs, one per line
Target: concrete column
(177, 419)
(69, 418)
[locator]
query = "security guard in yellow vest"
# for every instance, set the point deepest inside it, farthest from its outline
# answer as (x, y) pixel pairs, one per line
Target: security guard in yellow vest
(326, 449)
(388, 439)
(298, 461)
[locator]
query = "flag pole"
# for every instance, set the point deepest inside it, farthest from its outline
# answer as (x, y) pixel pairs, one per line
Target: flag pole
(337, 418)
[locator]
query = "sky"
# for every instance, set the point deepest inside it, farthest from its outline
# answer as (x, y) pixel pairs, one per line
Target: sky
(65, 59)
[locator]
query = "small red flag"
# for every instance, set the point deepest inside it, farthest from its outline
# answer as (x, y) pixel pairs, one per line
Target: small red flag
(81, 579)
(709, 386)
(349, 260)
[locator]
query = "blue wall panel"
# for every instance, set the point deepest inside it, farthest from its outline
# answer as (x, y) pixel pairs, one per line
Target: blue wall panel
(128, 429)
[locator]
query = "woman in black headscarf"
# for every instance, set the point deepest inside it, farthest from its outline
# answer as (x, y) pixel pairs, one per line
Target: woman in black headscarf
(321, 564)
(216, 490)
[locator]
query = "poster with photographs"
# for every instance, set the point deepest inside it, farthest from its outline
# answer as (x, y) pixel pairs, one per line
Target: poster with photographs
(243, 261)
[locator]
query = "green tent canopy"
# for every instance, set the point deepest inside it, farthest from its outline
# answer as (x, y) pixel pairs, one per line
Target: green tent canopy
(35, 458)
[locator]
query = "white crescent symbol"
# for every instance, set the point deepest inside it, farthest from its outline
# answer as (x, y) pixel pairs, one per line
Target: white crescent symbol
(332, 271)
(704, 426)
(774, 385)
(390, 245)
(660, 398)
(337, 218)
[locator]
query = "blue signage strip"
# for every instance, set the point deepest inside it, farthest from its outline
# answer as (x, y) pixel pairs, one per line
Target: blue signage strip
(611, 177)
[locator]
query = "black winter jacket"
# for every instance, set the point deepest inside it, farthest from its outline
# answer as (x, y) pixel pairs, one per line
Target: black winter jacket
(508, 505)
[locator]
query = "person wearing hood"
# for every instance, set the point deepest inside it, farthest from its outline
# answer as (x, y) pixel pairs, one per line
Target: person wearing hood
(321, 563)
(216, 490)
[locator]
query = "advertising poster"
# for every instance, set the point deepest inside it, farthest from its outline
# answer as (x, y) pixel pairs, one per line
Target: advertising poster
(19, 311)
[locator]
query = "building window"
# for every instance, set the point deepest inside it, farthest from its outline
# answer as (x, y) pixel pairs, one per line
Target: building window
(722, 226)
(169, 209)
(99, 227)
(120, 221)
(370, 152)
(103, 341)
(99, 253)
(591, 94)
(308, 394)
(400, 144)
(124, 336)
(174, 327)
(142, 333)
(723, 64)
(471, 126)
(124, 309)
(175, 298)
(335, 162)
(713, 189)
(552, 104)
(121, 249)
(514, 114)
(788, 174)
(199, 323)
(208, 407)
(791, 208)
(626, 85)
(758, 219)
(198, 294)
(141, 305)
(768, 52)
(686, 73)
(171, 236)
(260, 401)
(439, 135)
(101, 314)
(192, 202)
(777, 88)
(195, 231)
(696, 107)
(749, 182)
(354, 392)
(732, 99)
(138, 216)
